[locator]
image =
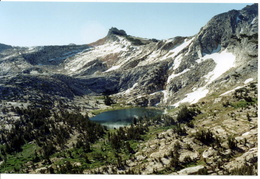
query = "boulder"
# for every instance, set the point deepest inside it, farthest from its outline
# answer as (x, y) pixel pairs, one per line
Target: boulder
(190, 170)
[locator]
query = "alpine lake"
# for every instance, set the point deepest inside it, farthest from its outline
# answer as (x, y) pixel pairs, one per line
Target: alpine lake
(124, 117)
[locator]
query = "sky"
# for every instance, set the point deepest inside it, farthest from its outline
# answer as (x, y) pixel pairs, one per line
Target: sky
(61, 23)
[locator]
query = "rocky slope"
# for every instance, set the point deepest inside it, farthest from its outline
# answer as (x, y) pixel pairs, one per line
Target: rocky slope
(212, 142)
(147, 72)
(214, 70)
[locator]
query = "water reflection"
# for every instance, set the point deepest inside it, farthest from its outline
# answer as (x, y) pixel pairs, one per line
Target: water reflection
(124, 117)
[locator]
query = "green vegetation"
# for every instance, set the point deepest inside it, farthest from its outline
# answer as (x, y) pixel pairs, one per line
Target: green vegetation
(17, 161)
(180, 130)
(244, 170)
(206, 137)
(243, 99)
(93, 147)
(232, 143)
(67, 142)
(243, 103)
(108, 100)
(48, 132)
(187, 114)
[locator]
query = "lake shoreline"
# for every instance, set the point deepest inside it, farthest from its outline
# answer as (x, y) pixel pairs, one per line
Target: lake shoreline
(121, 117)
(114, 108)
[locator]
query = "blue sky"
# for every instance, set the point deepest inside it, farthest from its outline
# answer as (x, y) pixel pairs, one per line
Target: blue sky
(61, 23)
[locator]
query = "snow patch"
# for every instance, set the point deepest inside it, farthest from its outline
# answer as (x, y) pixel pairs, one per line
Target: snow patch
(179, 48)
(172, 76)
(224, 61)
(34, 72)
(156, 55)
(248, 80)
(223, 94)
(254, 20)
(151, 58)
(113, 68)
(165, 96)
(176, 50)
(156, 92)
(130, 89)
(246, 133)
(177, 62)
(194, 96)
(81, 59)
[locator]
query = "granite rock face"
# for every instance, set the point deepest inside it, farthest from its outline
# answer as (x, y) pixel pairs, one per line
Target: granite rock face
(145, 71)
(216, 70)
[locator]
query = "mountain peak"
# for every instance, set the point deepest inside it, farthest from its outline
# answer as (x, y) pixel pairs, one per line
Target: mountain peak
(115, 31)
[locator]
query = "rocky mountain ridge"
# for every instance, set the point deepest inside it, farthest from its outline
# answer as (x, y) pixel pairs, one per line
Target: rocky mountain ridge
(147, 72)
(207, 85)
